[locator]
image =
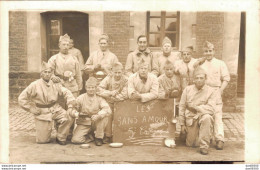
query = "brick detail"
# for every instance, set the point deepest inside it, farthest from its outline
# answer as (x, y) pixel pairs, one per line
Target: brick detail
(18, 81)
(210, 27)
(18, 41)
(117, 26)
(230, 94)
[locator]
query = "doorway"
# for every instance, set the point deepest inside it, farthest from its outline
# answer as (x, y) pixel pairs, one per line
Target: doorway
(241, 57)
(75, 24)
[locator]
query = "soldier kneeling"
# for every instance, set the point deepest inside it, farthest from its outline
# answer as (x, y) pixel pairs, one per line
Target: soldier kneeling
(93, 114)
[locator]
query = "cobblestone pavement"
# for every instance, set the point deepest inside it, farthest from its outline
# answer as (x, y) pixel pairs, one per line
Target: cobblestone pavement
(21, 123)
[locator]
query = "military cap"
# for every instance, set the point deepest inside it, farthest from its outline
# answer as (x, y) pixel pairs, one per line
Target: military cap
(45, 66)
(208, 45)
(92, 81)
(187, 49)
(104, 36)
(168, 63)
(198, 71)
(166, 40)
(117, 65)
(65, 37)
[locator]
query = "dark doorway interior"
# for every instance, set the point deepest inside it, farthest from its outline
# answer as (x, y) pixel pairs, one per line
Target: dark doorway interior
(241, 59)
(75, 24)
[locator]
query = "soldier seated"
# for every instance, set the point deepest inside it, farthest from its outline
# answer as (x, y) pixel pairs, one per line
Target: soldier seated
(93, 112)
(197, 107)
(43, 94)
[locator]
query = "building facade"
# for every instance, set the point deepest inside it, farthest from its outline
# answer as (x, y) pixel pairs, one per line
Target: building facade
(34, 35)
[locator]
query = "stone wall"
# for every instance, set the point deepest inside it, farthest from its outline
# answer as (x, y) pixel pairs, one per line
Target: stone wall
(116, 25)
(17, 41)
(210, 27)
(18, 81)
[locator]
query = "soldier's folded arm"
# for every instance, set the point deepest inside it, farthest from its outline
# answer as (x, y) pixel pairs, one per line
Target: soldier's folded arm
(209, 107)
(89, 67)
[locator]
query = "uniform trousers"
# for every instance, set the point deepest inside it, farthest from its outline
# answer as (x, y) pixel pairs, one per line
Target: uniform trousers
(62, 121)
(199, 133)
(80, 132)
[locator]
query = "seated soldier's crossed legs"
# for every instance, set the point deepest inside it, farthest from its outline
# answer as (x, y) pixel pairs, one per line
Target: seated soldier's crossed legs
(63, 122)
(200, 132)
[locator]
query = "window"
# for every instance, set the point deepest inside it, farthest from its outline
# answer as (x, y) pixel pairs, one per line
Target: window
(160, 25)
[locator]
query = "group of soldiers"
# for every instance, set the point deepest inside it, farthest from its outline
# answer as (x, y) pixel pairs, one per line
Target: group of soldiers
(196, 83)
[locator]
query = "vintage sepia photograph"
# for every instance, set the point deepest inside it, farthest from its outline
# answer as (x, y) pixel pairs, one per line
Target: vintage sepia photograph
(126, 87)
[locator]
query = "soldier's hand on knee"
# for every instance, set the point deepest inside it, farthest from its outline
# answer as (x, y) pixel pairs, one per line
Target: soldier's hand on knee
(34, 110)
(183, 129)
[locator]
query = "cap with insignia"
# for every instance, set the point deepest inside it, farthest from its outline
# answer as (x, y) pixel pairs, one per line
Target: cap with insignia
(166, 40)
(104, 36)
(208, 45)
(45, 66)
(92, 81)
(198, 71)
(187, 49)
(65, 37)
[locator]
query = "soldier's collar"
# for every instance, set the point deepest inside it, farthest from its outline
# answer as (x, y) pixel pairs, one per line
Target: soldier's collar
(146, 52)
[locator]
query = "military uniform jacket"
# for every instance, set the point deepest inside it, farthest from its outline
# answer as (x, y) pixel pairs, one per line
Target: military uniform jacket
(105, 59)
(159, 62)
(109, 84)
(205, 99)
(61, 63)
(147, 89)
(216, 72)
(135, 57)
(43, 93)
(167, 85)
(88, 106)
(77, 53)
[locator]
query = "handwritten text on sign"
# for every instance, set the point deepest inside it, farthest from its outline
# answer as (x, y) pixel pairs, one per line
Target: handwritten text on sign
(137, 123)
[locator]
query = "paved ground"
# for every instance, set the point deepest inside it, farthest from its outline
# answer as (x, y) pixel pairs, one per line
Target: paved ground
(23, 148)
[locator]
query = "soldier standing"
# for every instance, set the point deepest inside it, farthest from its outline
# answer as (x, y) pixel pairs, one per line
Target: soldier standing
(218, 78)
(135, 57)
(161, 58)
(77, 53)
(66, 67)
(101, 60)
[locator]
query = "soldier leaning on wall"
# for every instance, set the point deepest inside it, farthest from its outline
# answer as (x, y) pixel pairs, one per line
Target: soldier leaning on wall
(113, 88)
(218, 78)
